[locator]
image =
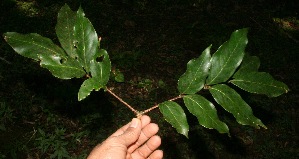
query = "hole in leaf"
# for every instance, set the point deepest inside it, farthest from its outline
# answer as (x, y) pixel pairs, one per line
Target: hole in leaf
(100, 58)
(75, 44)
(62, 61)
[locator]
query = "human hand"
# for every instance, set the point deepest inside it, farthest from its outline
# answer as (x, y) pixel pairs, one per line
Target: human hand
(136, 140)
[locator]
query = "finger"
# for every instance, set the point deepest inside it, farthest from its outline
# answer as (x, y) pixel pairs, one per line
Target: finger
(145, 120)
(132, 134)
(121, 130)
(148, 148)
(158, 154)
(146, 133)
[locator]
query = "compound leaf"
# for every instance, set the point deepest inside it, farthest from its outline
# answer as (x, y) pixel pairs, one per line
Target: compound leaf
(194, 78)
(260, 83)
(66, 21)
(232, 102)
(205, 112)
(86, 40)
(175, 115)
(249, 64)
(228, 57)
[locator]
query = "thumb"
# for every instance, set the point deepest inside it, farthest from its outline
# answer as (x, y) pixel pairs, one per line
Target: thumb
(132, 133)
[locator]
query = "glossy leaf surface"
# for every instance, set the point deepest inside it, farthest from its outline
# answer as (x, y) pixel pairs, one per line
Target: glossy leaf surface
(87, 87)
(194, 78)
(232, 102)
(175, 115)
(228, 57)
(50, 55)
(205, 112)
(260, 83)
(61, 68)
(31, 45)
(86, 40)
(100, 69)
(65, 30)
(249, 64)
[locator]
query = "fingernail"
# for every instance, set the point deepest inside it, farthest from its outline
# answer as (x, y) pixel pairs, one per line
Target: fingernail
(134, 123)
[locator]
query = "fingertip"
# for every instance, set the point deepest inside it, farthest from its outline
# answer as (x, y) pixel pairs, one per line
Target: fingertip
(134, 123)
(155, 126)
(157, 154)
(145, 120)
(156, 140)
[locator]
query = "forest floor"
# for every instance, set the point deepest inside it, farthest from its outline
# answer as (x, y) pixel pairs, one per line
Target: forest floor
(150, 44)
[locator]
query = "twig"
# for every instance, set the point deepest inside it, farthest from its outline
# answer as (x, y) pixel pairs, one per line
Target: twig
(140, 113)
(156, 106)
(125, 103)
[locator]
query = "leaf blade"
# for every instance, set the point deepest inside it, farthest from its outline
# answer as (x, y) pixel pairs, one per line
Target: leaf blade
(205, 112)
(66, 21)
(232, 102)
(31, 45)
(63, 68)
(228, 57)
(174, 114)
(86, 40)
(260, 83)
(193, 79)
(101, 69)
(86, 88)
(249, 64)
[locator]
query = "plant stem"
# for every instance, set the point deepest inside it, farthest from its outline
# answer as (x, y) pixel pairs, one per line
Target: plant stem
(156, 106)
(140, 113)
(125, 103)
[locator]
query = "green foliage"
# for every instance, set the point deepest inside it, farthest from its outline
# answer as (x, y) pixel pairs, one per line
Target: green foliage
(205, 112)
(53, 142)
(228, 57)
(174, 114)
(197, 71)
(81, 55)
(232, 102)
(212, 72)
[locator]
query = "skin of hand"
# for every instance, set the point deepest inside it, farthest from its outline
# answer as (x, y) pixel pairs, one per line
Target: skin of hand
(136, 140)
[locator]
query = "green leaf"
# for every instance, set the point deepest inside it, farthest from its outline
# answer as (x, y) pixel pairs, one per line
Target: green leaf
(232, 102)
(31, 45)
(205, 112)
(61, 68)
(51, 56)
(118, 76)
(228, 57)
(175, 115)
(260, 83)
(194, 78)
(249, 64)
(100, 72)
(66, 21)
(87, 87)
(100, 68)
(86, 40)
